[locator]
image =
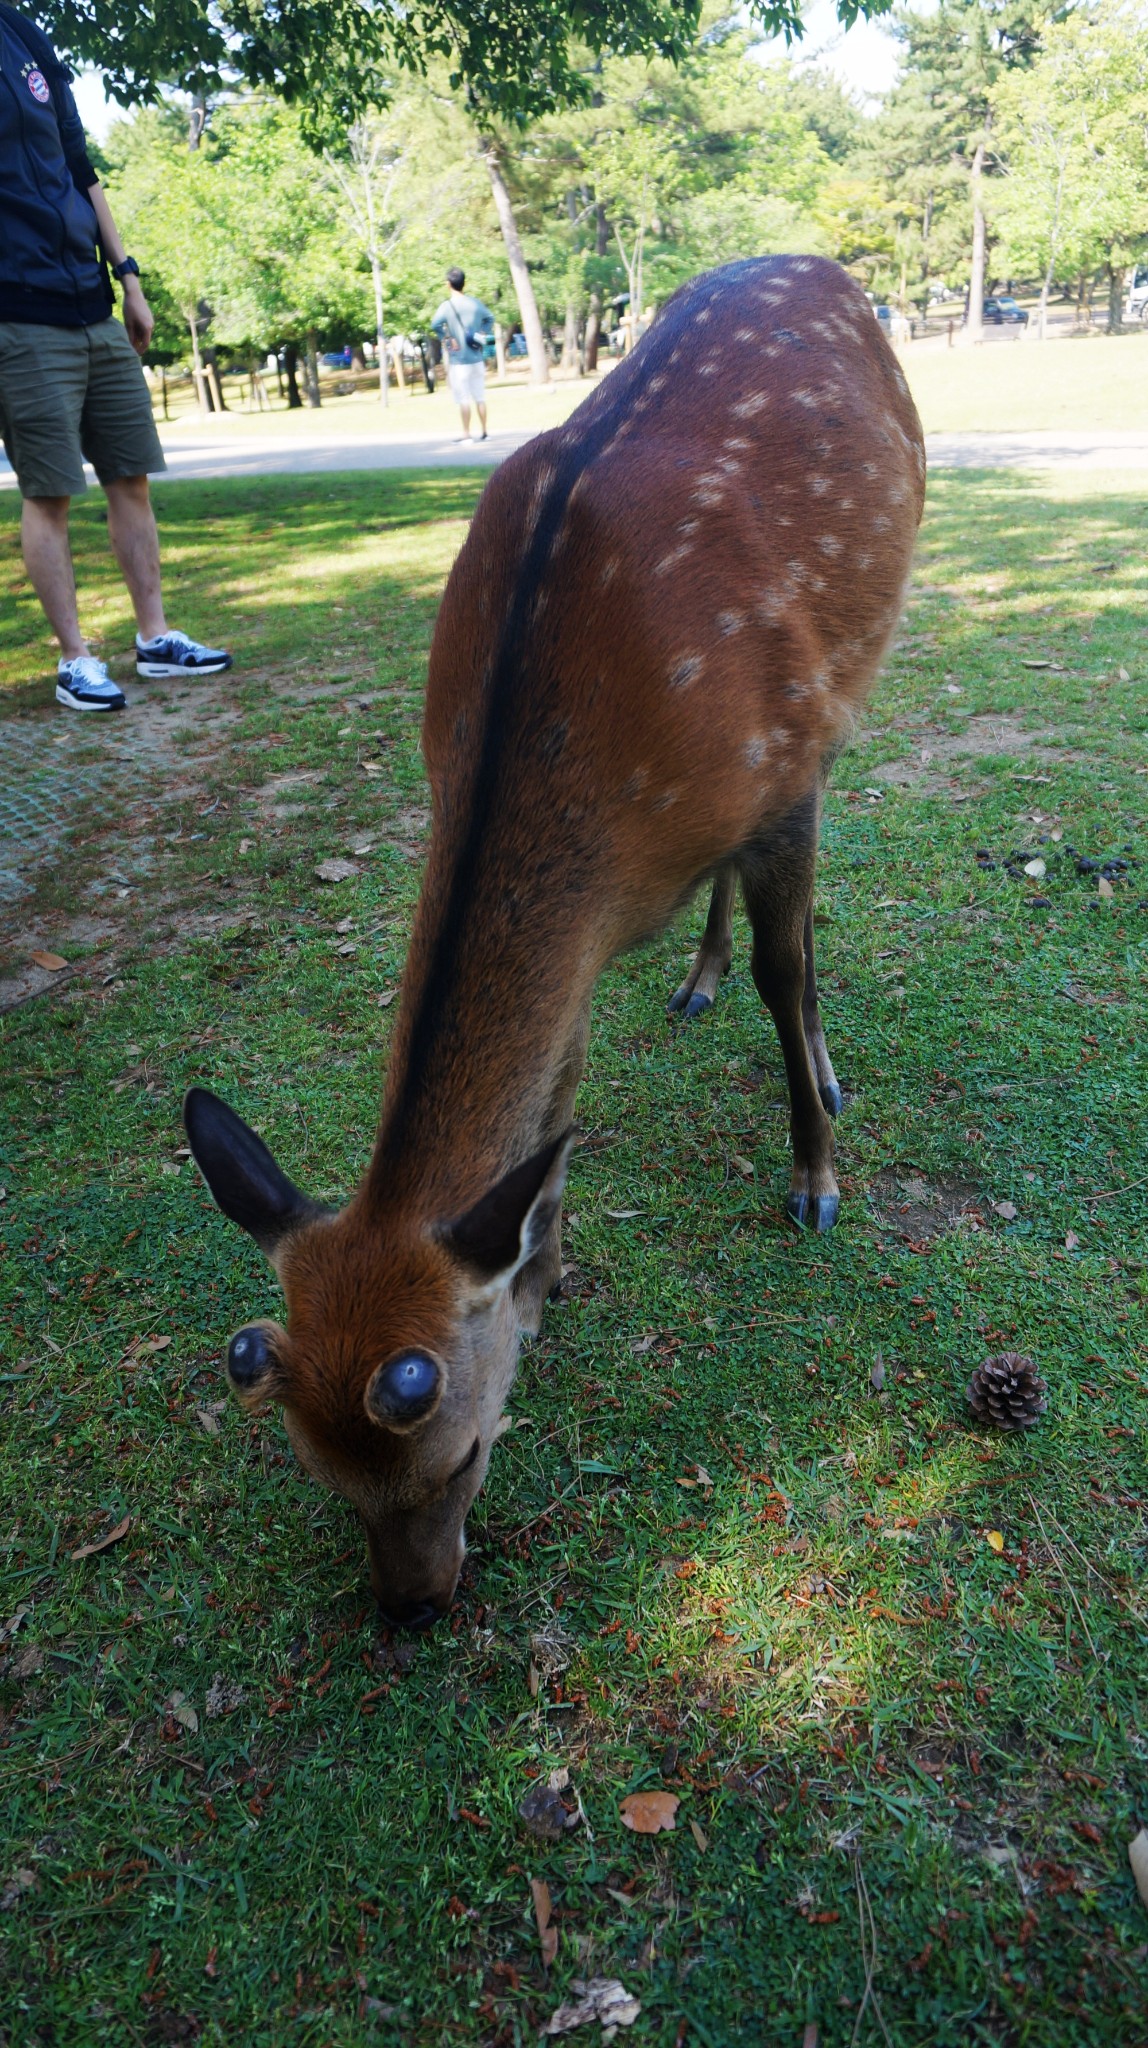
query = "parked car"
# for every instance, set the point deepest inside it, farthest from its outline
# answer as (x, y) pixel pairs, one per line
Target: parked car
(1003, 312)
(1137, 307)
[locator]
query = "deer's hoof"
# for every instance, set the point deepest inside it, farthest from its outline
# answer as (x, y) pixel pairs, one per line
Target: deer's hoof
(813, 1212)
(689, 1005)
(832, 1100)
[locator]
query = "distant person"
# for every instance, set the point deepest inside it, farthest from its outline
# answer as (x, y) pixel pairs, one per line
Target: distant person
(462, 323)
(70, 378)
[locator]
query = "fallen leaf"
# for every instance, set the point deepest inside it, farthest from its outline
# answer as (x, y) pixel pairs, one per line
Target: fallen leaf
(547, 1935)
(1006, 1210)
(647, 1813)
(1071, 1241)
(742, 1166)
(1105, 889)
(641, 1345)
(245, 845)
(21, 1881)
(51, 961)
(386, 998)
(103, 1542)
(373, 768)
(877, 793)
(336, 870)
(180, 1711)
(27, 1662)
(1123, 675)
(877, 1375)
(1138, 1858)
(346, 951)
(150, 1344)
(700, 1836)
(1036, 868)
(1036, 664)
(603, 2002)
(208, 1422)
(622, 1215)
(994, 1539)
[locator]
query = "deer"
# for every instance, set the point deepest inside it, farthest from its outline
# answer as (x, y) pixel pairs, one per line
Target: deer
(663, 623)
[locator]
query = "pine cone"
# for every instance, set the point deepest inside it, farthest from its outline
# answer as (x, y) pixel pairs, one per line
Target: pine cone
(1007, 1391)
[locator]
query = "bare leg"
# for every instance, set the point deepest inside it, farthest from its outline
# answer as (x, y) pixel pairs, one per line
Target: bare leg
(48, 560)
(713, 956)
(777, 877)
(131, 530)
(542, 1278)
(464, 415)
(480, 408)
(827, 1084)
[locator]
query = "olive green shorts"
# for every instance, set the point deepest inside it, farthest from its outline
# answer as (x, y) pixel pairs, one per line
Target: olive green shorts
(70, 392)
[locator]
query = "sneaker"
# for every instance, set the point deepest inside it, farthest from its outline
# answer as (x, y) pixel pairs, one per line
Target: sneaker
(175, 654)
(83, 684)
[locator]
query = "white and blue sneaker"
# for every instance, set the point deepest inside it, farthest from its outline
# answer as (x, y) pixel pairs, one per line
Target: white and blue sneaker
(83, 684)
(175, 654)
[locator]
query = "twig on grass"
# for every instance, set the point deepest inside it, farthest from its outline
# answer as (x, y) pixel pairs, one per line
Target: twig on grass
(1064, 1575)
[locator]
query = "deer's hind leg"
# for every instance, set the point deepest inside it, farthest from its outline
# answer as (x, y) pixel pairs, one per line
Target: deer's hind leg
(541, 1280)
(777, 880)
(713, 956)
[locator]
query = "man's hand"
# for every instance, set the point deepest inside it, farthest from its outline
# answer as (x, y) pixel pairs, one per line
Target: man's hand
(139, 319)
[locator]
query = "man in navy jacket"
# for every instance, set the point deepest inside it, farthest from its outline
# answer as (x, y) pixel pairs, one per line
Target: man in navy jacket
(70, 379)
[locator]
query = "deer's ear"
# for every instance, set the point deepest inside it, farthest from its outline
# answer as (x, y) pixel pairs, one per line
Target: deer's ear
(241, 1173)
(506, 1228)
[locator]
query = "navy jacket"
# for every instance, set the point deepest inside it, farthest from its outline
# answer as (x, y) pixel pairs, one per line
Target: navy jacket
(51, 268)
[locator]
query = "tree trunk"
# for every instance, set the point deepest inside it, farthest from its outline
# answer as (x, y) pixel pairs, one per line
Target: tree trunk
(974, 315)
(291, 365)
(314, 396)
(570, 339)
(219, 403)
(197, 120)
(202, 394)
(593, 331)
(1115, 297)
(520, 275)
(380, 333)
(1042, 330)
(499, 350)
(397, 359)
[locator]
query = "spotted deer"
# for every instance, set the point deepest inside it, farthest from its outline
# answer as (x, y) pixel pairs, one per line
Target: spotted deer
(663, 622)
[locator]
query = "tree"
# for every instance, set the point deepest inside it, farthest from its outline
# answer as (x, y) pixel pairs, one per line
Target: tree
(1076, 191)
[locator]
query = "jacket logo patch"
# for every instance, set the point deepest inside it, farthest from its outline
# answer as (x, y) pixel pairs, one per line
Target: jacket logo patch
(39, 88)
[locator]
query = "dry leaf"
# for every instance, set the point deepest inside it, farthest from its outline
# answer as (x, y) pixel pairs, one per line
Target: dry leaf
(336, 870)
(877, 1374)
(647, 1813)
(543, 1811)
(622, 1215)
(208, 1422)
(700, 1836)
(1123, 675)
(245, 845)
(533, 1680)
(603, 2002)
(1071, 1241)
(103, 1542)
(386, 998)
(742, 1166)
(150, 1344)
(547, 1935)
(1006, 1211)
(373, 768)
(1036, 868)
(179, 1710)
(1138, 1858)
(994, 1539)
(51, 961)
(1105, 889)
(27, 1662)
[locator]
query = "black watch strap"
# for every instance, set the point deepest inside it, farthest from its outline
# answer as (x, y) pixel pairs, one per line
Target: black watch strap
(128, 268)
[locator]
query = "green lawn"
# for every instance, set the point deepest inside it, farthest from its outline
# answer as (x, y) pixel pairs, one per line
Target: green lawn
(1083, 384)
(710, 1556)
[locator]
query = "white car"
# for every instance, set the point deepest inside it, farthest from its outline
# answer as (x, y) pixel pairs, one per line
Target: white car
(1137, 307)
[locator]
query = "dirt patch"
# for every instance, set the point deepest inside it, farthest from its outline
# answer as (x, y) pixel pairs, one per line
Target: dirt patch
(917, 1210)
(985, 736)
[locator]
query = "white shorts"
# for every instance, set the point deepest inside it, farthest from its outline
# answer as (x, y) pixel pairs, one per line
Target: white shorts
(467, 382)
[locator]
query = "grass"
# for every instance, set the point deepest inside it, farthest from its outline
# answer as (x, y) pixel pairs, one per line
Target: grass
(1086, 384)
(235, 1813)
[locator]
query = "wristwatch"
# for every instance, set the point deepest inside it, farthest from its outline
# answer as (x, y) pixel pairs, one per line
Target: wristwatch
(128, 268)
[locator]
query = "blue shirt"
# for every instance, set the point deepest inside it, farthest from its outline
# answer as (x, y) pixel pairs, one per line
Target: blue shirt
(51, 269)
(457, 317)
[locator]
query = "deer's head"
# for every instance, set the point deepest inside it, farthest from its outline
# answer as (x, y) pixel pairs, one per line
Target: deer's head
(399, 1345)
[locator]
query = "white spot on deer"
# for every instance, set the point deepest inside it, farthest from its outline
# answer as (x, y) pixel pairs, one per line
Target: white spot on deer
(745, 334)
(864, 561)
(770, 606)
(882, 523)
(671, 560)
(688, 525)
(755, 751)
(635, 784)
(780, 737)
(707, 369)
(662, 803)
(819, 485)
(729, 623)
(608, 571)
(898, 494)
(804, 398)
(803, 264)
(730, 467)
(737, 441)
(829, 543)
(703, 315)
(685, 671)
(656, 383)
(747, 407)
(869, 469)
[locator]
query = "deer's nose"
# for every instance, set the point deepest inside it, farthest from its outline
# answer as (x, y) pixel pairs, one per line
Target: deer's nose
(417, 1615)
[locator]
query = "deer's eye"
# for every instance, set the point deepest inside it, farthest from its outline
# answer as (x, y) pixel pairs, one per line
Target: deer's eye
(466, 1463)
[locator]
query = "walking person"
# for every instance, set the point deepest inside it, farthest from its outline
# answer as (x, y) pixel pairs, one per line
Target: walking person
(71, 384)
(462, 323)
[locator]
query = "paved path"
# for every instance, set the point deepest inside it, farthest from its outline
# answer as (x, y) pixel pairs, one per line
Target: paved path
(200, 452)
